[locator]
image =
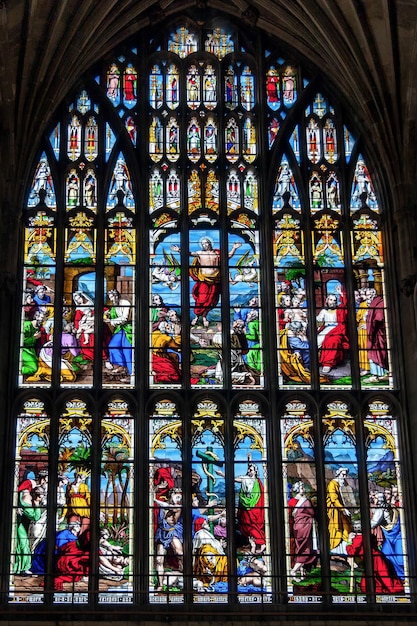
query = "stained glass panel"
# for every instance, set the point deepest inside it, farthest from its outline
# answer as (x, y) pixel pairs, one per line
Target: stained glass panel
(300, 495)
(251, 505)
(115, 560)
(29, 504)
(73, 523)
(389, 553)
(38, 301)
(42, 188)
(208, 514)
(166, 524)
(165, 312)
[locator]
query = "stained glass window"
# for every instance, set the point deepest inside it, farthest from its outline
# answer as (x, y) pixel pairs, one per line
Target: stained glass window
(205, 389)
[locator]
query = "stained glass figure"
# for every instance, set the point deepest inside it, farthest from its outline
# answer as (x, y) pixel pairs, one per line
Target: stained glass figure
(156, 141)
(333, 340)
(333, 191)
(74, 138)
(130, 78)
(172, 88)
(77, 340)
(273, 89)
(330, 141)
(113, 84)
(273, 130)
(230, 88)
(172, 140)
(316, 192)
(194, 140)
(372, 327)
(91, 139)
(90, 190)
(193, 87)
(232, 143)
(349, 143)
(363, 193)
(205, 292)
(130, 126)
(210, 141)
(156, 90)
(314, 146)
(289, 86)
(166, 523)
(42, 188)
(285, 192)
(73, 189)
(120, 189)
(209, 88)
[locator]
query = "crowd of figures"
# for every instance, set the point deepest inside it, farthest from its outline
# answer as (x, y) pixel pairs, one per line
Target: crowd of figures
(332, 335)
(72, 537)
(347, 550)
(77, 340)
(209, 534)
(206, 327)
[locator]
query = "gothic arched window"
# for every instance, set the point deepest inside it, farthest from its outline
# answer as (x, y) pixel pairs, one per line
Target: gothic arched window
(205, 408)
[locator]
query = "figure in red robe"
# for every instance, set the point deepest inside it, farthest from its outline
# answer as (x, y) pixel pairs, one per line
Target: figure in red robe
(385, 578)
(377, 337)
(332, 336)
(301, 518)
(72, 561)
(251, 512)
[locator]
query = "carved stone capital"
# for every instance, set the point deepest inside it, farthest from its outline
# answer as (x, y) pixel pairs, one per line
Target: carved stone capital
(408, 284)
(8, 283)
(251, 15)
(404, 215)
